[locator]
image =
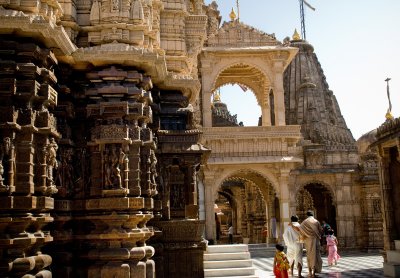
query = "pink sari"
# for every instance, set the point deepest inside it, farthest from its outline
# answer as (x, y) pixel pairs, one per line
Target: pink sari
(333, 256)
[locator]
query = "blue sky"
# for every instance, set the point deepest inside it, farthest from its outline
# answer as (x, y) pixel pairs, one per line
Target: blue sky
(356, 41)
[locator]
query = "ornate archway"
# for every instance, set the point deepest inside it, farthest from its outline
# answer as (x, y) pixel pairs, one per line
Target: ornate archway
(245, 199)
(317, 197)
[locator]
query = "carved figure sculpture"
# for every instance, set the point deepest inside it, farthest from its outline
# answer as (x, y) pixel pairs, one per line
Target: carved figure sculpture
(115, 6)
(107, 168)
(4, 152)
(64, 177)
(113, 162)
(52, 164)
(95, 12)
(119, 164)
(136, 11)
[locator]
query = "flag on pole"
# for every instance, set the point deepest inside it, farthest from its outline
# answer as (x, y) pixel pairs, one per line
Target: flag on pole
(308, 5)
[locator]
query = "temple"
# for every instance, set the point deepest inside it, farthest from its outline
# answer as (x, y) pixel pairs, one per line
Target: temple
(119, 158)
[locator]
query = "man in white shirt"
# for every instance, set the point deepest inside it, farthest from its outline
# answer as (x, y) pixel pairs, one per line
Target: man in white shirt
(294, 246)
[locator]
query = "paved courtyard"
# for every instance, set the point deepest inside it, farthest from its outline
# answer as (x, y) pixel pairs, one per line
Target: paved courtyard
(349, 266)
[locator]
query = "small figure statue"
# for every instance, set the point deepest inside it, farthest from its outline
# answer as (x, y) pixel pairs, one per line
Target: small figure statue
(52, 163)
(64, 177)
(113, 162)
(115, 5)
(118, 166)
(4, 151)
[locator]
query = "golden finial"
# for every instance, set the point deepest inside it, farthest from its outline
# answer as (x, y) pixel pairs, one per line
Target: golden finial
(217, 96)
(296, 36)
(232, 15)
(389, 115)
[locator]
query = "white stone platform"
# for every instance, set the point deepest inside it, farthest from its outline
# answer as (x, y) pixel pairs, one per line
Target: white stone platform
(231, 260)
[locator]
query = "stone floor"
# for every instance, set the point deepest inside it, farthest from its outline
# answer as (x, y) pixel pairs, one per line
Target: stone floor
(350, 265)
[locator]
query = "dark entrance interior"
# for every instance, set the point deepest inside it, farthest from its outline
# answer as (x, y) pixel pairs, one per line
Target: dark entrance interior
(317, 197)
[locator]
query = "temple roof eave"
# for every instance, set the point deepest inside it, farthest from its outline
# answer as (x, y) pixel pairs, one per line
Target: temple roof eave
(152, 62)
(30, 25)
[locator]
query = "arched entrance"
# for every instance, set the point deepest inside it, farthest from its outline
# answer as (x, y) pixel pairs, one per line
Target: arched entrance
(318, 198)
(247, 201)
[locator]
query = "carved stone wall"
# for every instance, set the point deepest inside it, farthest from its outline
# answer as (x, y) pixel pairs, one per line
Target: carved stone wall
(28, 134)
(106, 198)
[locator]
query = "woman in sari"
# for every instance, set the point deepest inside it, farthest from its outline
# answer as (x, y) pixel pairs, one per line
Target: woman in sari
(332, 243)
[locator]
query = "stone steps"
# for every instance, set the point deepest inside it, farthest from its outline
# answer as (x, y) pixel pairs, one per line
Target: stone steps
(231, 260)
(392, 267)
(262, 250)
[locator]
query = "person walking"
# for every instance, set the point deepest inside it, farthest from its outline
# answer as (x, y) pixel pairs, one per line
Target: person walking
(294, 246)
(332, 243)
(325, 228)
(310, 230)
(281, 263)
(230, 234)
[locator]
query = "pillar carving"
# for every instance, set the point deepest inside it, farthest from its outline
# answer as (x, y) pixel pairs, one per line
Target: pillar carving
(111, 202)
(265, 108)
(28, 151)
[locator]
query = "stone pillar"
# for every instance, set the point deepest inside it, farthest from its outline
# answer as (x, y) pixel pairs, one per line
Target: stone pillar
(387, 205)
(207, 115)
(209, 207)
(266, 109)
(285, 200)
(191, 208)
(279, 100)
(28, 152)
(104, 230)
(202, 212)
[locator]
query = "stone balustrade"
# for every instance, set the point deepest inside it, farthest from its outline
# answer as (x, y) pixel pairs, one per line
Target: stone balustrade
(262, 141)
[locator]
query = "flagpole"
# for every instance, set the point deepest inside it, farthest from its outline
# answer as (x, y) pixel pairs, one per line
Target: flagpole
(388, 115)
(237, 6)
(388, 93)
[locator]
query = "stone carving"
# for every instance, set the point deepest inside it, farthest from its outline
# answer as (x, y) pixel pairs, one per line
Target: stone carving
(304, 202)
(52, 165)
(114, 162)
(233, 34)
(95, 12)
(153, 172)
(65, 173)
(5, 161)
(136, 11)
(115, 5)
(315, 159)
